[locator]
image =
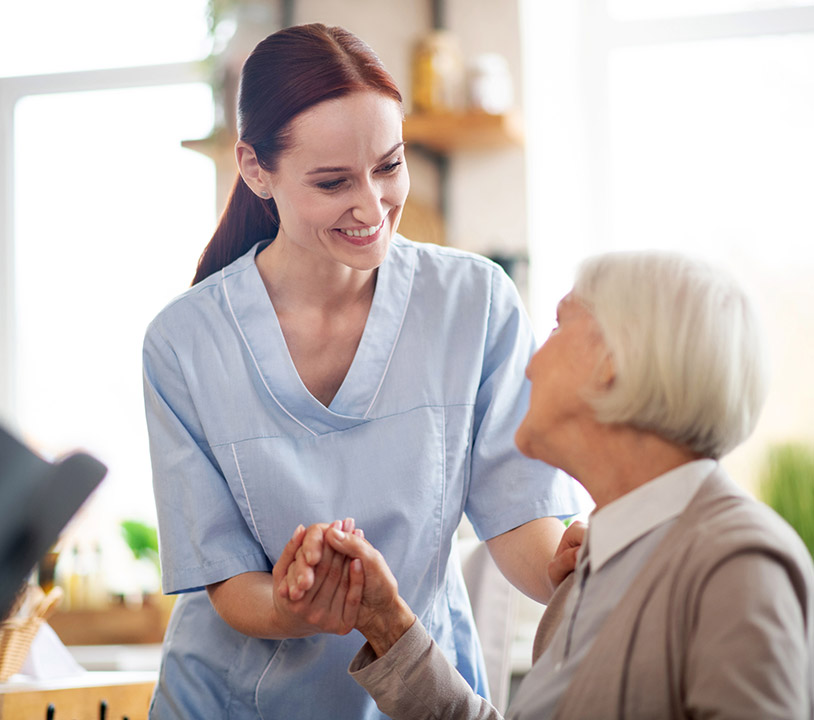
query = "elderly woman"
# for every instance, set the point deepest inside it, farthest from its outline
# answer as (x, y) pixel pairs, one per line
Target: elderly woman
(689, 598)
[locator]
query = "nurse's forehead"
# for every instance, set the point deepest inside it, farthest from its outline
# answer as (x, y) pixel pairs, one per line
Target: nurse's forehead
(339, 131)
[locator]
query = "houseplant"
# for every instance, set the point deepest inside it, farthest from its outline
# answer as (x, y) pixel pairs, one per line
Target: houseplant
(787, 486)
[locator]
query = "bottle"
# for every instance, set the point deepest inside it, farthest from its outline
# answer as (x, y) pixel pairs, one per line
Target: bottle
(490, 84)
(438, 74)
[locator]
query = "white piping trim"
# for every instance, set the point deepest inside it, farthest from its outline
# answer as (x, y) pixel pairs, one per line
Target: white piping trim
(395, 342)
(254, 359)
(262, 677)
(443, 508)
(248, 502)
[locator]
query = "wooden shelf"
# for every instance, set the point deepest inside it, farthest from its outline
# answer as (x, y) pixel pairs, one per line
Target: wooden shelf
(451, 132)
(115, 625)
(441, 132)
(219, 146)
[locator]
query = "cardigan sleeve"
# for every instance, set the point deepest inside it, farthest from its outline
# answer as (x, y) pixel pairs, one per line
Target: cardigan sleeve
(415, 681)
(747, 655)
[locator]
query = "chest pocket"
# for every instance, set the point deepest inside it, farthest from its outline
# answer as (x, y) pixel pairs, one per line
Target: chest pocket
(388, 474)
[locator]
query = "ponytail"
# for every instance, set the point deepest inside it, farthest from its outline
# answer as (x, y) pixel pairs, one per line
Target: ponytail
(246, 220)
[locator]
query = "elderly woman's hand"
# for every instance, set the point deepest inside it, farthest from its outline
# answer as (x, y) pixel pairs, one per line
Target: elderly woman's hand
(565, 557)
(382, 615)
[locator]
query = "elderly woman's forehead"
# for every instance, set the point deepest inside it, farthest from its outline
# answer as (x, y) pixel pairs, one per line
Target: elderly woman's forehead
(572, 301)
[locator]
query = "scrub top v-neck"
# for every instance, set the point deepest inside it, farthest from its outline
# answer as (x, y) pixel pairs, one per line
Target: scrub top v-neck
(257, 321)
(420, 431)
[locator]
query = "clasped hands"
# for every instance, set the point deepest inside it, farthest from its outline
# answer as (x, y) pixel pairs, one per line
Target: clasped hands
(333, 580)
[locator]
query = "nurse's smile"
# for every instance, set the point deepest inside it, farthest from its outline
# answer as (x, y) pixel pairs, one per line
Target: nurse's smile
(362, 236)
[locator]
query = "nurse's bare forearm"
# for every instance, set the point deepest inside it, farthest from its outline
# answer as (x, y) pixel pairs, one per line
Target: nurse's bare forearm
(524, 553)
(246, 602)
(253, 603)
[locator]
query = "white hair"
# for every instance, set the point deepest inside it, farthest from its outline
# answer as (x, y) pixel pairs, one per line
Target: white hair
(686, 346)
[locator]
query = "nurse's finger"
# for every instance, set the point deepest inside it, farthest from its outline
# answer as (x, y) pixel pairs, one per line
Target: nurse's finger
(287, 557)
(299, 578)
(312, 543)
(327, 573)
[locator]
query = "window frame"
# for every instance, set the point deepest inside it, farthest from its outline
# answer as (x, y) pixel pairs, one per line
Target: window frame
(567, 98)
(12, 90)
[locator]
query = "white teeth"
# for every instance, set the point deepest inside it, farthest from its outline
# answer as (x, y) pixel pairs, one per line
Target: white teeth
(364, 232)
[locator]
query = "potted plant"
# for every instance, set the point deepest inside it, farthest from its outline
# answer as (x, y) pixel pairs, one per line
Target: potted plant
(787, 486)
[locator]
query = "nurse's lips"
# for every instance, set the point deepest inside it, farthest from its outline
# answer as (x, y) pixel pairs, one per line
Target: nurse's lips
(362, 236)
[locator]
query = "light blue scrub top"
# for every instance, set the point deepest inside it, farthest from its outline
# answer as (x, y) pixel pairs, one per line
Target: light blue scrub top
(421, 431)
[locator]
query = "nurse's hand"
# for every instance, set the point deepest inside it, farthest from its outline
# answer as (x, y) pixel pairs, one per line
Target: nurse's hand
(382, 616)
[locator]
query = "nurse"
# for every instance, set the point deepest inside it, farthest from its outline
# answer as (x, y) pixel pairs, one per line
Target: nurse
(322, 366)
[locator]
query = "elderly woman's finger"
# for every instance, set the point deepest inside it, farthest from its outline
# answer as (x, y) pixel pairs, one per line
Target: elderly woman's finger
(562, 565)
(353, 599)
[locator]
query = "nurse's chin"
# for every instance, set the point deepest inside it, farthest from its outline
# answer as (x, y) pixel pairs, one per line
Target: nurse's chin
(365, 257)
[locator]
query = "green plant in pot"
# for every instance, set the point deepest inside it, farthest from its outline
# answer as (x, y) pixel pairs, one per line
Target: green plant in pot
(787, 486)
(142, 539)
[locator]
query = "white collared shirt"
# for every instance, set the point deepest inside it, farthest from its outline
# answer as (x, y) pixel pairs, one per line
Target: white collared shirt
(621, 537)
(622, 522)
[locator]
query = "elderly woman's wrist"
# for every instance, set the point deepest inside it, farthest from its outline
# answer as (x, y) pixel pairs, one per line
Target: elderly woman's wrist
(387, 628)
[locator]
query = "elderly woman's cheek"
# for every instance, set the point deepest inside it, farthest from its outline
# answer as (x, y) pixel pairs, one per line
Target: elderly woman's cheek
(522, 437)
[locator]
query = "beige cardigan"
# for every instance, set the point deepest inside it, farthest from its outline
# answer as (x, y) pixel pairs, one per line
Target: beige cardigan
(652, 658)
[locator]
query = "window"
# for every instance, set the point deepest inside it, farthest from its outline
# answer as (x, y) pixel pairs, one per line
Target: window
(665, 124)
(106, 215)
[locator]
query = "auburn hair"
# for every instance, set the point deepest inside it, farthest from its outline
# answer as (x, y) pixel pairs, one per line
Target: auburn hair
(289, 72)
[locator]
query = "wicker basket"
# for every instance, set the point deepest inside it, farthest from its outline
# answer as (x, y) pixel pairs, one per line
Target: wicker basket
(17, 633)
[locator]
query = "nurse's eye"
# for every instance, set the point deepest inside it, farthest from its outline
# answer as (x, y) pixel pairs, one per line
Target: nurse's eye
(390, 167)
(330, 184)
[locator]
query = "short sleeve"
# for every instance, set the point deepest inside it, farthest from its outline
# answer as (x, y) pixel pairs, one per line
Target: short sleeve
(506, 488)
(203, 537)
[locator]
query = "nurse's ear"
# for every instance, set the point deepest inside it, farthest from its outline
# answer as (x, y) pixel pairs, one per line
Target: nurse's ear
(257, 179)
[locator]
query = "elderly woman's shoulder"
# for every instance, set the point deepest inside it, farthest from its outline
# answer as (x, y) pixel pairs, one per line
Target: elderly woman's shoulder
(731, 522)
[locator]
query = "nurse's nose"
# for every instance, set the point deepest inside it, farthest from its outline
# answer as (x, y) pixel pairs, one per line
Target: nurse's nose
(367, 204)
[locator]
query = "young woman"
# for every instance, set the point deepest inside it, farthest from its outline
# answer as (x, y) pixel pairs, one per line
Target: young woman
(323, 366)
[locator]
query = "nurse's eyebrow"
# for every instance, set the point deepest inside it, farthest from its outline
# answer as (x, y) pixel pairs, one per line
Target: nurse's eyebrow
(384, 157)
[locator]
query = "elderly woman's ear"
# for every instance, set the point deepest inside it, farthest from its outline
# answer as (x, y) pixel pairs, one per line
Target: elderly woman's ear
(606, 372)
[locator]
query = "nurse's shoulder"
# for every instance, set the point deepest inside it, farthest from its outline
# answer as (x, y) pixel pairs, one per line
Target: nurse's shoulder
(203, 308)
(453, 271)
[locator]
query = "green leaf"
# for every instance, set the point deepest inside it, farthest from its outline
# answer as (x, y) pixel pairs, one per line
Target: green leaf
(787, 486)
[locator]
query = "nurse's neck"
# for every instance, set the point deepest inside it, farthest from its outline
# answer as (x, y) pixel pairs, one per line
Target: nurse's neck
(296, 278)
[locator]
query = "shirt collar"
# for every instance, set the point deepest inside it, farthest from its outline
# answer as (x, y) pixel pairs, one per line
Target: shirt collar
(620, 523)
